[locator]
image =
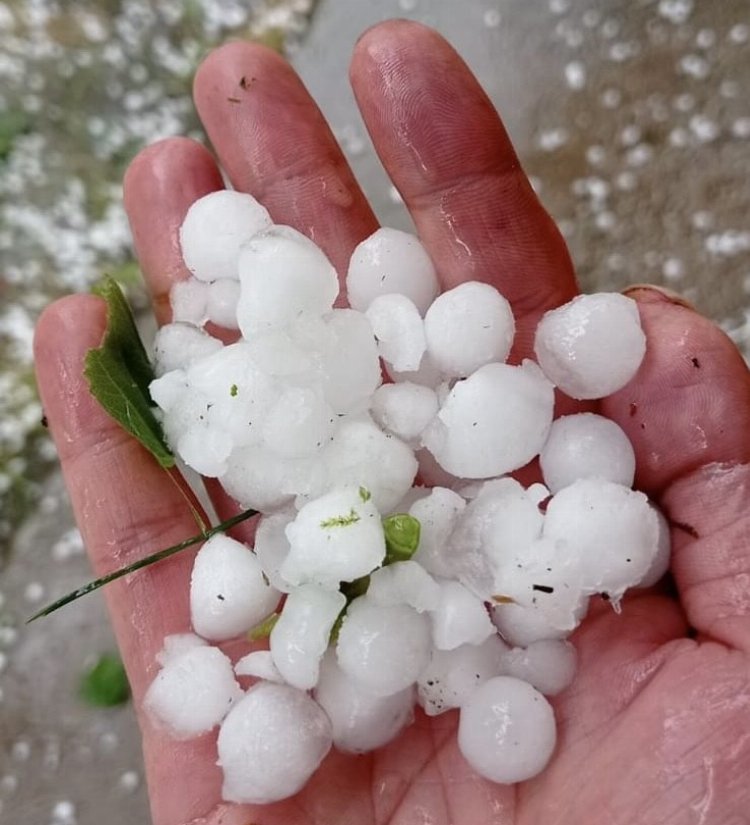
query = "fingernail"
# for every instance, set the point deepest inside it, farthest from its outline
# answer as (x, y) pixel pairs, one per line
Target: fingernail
(651, 294)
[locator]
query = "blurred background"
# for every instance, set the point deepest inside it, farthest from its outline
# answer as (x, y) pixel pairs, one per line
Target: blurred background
(632, 118)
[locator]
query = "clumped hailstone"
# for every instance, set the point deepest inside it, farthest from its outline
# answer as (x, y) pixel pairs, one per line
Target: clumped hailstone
(379, 597)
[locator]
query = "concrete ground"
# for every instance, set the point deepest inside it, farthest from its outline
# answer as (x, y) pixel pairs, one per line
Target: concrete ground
(633, 119)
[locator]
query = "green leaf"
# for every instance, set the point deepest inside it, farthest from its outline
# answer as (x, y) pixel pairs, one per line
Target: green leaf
(141, 563)
(401, 537)
(105, 684)
(264, 628)
(119, 373)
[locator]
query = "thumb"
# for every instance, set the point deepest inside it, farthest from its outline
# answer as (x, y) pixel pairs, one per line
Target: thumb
(687, 413)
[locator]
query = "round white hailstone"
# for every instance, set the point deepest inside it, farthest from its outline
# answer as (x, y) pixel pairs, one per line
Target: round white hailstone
(399, 329)
(660, 562)
(586, 446)
(437, 515)
(467, 327)
(362, 454)
(276, 353)
(506, 730)
(453, 675)
(177, 345)
(272, 545)
(391, 261)
(427, 374)
(240, 395)
(397, 649)
(271, 744)
(205, 449)
(404, 582)
(169, 389)
(500, 519)
(284, 276)
(549, 665)
(337, 537)
(176, 644)
(214, 229)
(610, 531)
(493, 422)
(522, 626)
(228, 591)
(193, 692)
(592, 346)
(361, 721)
(299, 423)
(300, 637)
(260, 479)
(221, 302)
(350, 367)
(189, 301)
(460, 618)
(404, 409)
(259, 664)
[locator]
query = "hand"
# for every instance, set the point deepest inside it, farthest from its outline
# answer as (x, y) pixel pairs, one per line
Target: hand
(656, 727)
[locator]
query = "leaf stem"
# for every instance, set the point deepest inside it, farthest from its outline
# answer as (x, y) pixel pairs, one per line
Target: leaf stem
(145, 562)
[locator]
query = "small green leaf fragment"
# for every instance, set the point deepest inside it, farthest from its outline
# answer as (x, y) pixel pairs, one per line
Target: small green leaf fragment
(233, 390)
(352, 590)
(365, 494)
(401, 537)
(341, 521)
(105, 684)
(264, 628)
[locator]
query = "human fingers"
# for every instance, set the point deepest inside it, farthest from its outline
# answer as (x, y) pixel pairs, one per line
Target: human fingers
(687, 413)
(447, 151)
(275, 144)
(126, 507)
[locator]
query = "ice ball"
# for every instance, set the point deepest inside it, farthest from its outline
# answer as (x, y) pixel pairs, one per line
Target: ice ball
(586, 445)
(214, 229)
(467, 327)
(391, 261)
(506, 730)
(271, 743)
(592, 346)
(493, 422)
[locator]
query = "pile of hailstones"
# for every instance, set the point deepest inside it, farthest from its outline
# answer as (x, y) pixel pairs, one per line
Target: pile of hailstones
(295, 420)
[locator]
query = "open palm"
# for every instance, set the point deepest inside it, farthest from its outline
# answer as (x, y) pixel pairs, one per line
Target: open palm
(656, 728)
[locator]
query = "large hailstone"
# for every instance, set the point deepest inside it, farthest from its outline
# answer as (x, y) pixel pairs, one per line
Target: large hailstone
(493, 422)
(506, 730)
(300, 636)
(391, 261)
(404, 409)
(193, 691)
(229, 592)
(284, 276)
(611, 533)
(271, 743)
(592, 346)
(383, 649)
(337, 537)
(459, 618)
(548, 664)
(586, 445)
(404, 582)
(214, 229)
(361, 721)
(467, 327)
